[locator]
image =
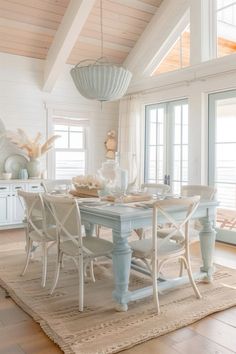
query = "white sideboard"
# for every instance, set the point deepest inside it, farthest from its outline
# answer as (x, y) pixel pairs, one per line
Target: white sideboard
(11, 209)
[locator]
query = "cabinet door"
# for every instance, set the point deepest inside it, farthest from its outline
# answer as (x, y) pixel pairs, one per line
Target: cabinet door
(18, 212)
(5, 209)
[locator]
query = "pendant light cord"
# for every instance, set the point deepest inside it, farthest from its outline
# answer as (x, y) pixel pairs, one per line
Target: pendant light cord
(101, 24)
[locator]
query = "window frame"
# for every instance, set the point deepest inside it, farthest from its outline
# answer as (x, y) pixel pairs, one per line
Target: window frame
(65, 114)
(168, 141)
(70, 122)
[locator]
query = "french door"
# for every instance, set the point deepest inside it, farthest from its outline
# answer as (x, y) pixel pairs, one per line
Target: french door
(166, 143)
(222, 160)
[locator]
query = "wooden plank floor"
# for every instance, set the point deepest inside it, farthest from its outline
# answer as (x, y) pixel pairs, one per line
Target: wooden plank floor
(215, 334)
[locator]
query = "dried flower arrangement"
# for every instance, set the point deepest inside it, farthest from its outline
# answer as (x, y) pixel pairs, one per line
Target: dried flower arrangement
(33, 147)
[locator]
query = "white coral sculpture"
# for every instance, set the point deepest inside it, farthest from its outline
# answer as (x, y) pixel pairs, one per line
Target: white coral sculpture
(33, 147)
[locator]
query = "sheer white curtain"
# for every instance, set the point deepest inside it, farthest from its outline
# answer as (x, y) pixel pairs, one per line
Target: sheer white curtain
(129, 146)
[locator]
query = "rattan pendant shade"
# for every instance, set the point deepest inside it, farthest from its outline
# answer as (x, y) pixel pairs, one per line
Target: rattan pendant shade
(99, 79)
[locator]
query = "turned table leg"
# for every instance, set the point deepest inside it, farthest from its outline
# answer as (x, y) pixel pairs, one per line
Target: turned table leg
(207, 242)
(121, 257)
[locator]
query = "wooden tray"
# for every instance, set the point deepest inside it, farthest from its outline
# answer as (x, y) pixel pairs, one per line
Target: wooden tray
(84, 192)
(128, 198)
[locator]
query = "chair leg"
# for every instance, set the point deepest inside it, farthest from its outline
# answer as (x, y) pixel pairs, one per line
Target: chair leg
(98, 229)
(155, 289)
(45, 261)
(80, 267)
(92, 272)
(182, 264)
(29, 244)
(191, 279)
(56, 276)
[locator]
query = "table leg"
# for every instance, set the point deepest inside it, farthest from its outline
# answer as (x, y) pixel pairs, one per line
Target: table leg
(207, 242)
(89, 229)
(121, 258)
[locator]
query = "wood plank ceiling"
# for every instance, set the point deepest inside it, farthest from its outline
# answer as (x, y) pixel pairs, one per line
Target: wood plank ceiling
(27, 27)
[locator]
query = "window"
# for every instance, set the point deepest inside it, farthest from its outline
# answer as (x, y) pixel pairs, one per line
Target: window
(70, 148)
(166, 143)
(222, 160)
(226, 27)
(178, 56)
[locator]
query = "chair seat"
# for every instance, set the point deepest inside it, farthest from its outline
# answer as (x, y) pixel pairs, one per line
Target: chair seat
(143, 248)
(178, 237)
(97, 247)
(50, 235)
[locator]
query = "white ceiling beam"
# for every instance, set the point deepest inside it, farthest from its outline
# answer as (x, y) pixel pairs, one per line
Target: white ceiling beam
(65, 39)
(144, 55)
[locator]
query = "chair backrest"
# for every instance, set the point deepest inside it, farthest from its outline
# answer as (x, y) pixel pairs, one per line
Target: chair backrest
(51, 185)
(185, 206)
(67, 215)
(156, 188)
(205, 192)
(35, 211)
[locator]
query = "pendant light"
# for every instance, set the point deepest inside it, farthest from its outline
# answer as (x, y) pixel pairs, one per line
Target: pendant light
(99, 79)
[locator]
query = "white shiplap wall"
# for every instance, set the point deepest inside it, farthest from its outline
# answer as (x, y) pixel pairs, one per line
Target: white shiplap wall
(24, 105)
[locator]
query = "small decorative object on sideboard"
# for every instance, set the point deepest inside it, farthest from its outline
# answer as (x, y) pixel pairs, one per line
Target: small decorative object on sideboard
(23, 174)
(33, 148)
(6, 175)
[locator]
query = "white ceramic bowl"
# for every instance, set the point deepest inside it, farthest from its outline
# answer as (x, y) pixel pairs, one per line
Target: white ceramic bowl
(6, 175)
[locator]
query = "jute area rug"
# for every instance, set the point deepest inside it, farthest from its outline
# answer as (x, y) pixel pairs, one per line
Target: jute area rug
(100, 329)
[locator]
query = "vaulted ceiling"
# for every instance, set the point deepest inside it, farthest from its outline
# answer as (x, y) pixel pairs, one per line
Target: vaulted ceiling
(28, 27)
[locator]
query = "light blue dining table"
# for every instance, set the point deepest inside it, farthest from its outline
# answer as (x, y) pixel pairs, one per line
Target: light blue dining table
(122, 219)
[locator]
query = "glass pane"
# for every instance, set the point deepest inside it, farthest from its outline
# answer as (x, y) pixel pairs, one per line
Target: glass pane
(61, 127)
(69, 164)
(185, 124)
(75, 128)
(160, 162)
(152, 162)
(176, 187)
(178, 55)
(76, 140)
(226, 122)
(185, 163)
(225, 163)
(62, 142)
(153, 115)
(185, 43)
(226, 28)
(177, 162)
(152, 134)
(226, 194)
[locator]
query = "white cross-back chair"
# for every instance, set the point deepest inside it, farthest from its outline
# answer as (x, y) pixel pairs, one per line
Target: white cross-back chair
(40, 228)
(205, 193)
(83, 250)
(155, 252)
(54, 184)
(152, 188)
